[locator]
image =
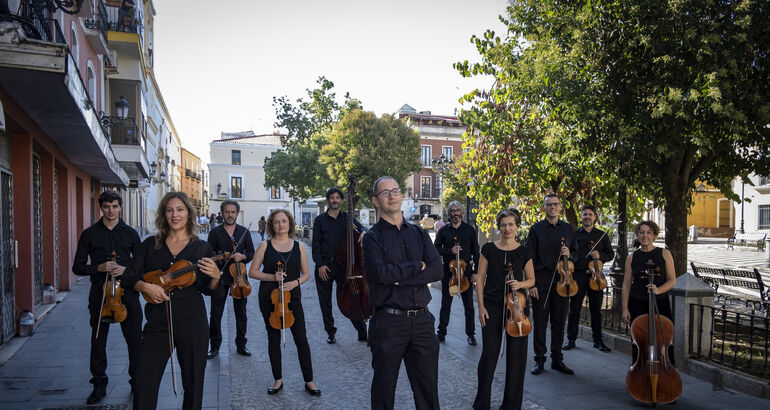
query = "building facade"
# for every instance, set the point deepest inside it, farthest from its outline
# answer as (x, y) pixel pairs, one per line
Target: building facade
(191, 179)
(753, 214)
(440, 141)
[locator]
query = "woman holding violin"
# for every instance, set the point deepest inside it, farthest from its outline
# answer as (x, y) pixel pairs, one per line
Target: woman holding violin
(499, 261)
(284, 268)
(175, 317)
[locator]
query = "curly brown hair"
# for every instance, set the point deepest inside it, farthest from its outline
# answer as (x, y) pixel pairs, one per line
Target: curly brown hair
(269, 227)
(652, 225)
(161, 224)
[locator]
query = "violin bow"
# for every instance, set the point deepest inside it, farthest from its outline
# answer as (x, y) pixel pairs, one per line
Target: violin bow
(237, 245)
(553, 276)
(603, 235)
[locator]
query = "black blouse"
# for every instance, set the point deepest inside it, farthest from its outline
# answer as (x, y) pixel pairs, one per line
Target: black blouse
(497, 259)
(639, 264)
(292, 264)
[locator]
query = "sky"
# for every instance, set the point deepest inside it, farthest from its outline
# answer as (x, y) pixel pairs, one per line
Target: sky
(219, 67)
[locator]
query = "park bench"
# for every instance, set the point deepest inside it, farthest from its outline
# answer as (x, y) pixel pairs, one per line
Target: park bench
(755, 238)
(740, 280)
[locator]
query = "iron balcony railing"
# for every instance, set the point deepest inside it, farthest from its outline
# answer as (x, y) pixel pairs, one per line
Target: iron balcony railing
(123, 19)
(123, 131)
(99, 21)
(736, 339)
(37, 21)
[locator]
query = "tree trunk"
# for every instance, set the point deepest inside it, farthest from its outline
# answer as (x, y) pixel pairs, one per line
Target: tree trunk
(676, 230)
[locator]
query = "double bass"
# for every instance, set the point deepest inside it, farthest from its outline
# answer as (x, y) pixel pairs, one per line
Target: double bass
(595, 266)
(458, 283)
(517, 324)
(281, 317)
(353, 289)
(653, 378)
(566, 287)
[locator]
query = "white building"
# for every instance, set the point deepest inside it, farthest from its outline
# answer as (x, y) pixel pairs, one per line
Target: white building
(753, 216)
(237, 171)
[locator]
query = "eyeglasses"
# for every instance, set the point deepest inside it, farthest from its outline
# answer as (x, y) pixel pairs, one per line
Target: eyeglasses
(553, 204)
(389, 192)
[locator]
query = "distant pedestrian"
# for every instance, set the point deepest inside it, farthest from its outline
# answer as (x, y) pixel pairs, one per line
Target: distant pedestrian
(212, 220)
(261, 227)
(109, 235)
(220, 219)
(439, 223)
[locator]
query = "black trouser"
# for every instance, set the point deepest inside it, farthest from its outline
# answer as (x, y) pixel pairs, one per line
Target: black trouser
(131, 327)
(218, 299)
(324, 290)
(594, 306)
(393, 338)
(515, 361)
(446, 306)
(298, 332)
(190, 340)
(556, 310)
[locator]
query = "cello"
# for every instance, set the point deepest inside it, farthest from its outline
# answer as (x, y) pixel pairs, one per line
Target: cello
(653, 378)
(281, 317)
(241, 288)
(517, 324)
(353, 289)
(597, 280)
(458, 283)
(566, 287)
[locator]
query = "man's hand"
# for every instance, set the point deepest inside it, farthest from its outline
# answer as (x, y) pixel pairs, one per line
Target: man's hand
(565, 251)
(117, 271)
(108, 266)
(595, 255)
(238, 257)
(456, 249)
(361, 238)
(323, 273)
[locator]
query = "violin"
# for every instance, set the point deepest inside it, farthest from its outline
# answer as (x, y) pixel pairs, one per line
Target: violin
(178, 276)
(113, 309)
(566, 287)
(241, 288)
(281, 317)
(653, 379)
(597, 280)
(517, 324)
(458, 283)
(353, 290)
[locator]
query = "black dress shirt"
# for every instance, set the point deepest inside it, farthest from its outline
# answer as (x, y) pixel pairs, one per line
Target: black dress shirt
(393, 255)
(466, 236)
(583, 240)
(328, 232)
(544, 243)
(98, 242)
(221, 241)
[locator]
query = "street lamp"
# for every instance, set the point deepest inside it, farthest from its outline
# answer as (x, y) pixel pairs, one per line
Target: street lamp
(121, 108)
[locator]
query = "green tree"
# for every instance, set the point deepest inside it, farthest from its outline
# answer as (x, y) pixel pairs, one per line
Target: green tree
(671, 91)
(367, 147)
(296, 168)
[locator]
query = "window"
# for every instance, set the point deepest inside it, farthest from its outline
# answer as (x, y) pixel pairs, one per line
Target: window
(426, 155)
(425, 185)
(447, 151)
(275, 193)
(763, 180)
(236, 187)
(236, 157)
(91, 83)
(764, 217)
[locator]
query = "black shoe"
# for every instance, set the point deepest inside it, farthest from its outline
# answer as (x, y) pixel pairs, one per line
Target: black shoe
(560, 366)
(97, 395)
(213, 353)
(569, 345)
(272, 391)
(472, 340)
(537, 368)
(243, 351)
(313, 392)
(602, 347)
(331, 340)
(441, 337)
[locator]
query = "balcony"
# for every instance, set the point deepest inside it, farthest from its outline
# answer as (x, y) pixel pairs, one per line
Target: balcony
(95, 28)
(123, 20)
(763, 185)
(40, 76)
(128, 145)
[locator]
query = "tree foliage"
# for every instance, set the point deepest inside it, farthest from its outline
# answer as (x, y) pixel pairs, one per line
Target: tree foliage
(367, 147)
(664, 93)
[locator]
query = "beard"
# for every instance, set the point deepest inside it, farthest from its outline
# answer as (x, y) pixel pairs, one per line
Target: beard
(456, 219)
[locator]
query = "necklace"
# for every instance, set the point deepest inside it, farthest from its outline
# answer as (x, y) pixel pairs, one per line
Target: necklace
(286, 259)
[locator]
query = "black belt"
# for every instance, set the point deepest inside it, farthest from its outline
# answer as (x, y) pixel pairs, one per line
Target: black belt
(408, 313)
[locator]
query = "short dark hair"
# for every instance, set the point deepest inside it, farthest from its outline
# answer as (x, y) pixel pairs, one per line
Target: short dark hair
(591, 207)
(109, 196)
(334, 190)
(230, 202)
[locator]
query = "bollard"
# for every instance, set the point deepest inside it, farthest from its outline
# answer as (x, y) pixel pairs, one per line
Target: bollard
(26, 323)
(688, 290)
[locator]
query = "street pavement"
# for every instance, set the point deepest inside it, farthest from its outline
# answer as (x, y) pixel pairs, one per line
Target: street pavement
(50, 368)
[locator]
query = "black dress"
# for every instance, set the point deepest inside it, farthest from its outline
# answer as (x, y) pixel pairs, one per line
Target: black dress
(190, 327)
(492, 333)
(291, 263)
(638, 298)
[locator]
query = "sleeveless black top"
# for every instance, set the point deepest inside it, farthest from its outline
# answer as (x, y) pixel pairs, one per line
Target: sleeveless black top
(291, 262)
(638, 266)
(496, 269)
